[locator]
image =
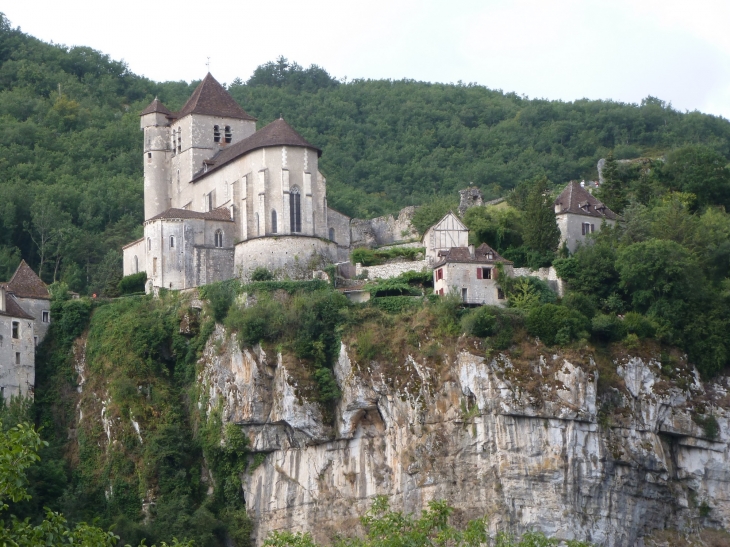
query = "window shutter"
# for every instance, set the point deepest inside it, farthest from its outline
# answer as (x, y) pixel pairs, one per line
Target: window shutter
(593, 228)
(494, 273)
(479, 273)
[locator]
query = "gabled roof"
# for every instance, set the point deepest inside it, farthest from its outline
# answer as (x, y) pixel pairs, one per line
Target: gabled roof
(156, 106)
(221, 214)
(277, 133)
(211, 99)
(462, 254)
(13, 309)
(26, 284)
(577, 200)
(449, 222)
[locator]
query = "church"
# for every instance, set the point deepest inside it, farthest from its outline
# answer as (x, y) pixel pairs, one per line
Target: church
(222, 199)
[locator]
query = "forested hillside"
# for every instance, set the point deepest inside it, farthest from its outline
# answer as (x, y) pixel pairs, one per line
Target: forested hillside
(71, 179)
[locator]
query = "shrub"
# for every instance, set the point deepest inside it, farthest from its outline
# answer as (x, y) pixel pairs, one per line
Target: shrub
(131, 284)
(368, 257)
(555, 324)
(262, 274)
(220, 295)
(637, 324)
(496, 324)
(396, 304)
(608, 328)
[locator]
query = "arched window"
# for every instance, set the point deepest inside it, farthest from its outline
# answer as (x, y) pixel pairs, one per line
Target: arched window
(172, 242)
(149, 243)
(332, 234)
(273, 221)
(216, 134)
(295, 210)
(219, 238)
(135, 264)
(228, 135)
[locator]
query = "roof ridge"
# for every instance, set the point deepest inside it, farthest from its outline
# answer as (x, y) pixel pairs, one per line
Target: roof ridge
(210, 98)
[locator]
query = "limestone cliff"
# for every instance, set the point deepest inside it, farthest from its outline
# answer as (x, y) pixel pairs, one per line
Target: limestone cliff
(525, 439)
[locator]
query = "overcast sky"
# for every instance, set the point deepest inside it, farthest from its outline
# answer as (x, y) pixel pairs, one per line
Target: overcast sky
(624, 50)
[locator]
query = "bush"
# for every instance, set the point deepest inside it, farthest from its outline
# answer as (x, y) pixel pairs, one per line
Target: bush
(608, 328)
(134, 283)
(396, 304)
(221, 296)
(637, 324)
(368, 257)
(262, 274)
(555, 324)
(580, 302)
(496, 324)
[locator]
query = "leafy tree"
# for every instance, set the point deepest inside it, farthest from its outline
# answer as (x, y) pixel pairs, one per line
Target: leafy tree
(540, 231)
(612, 191)
(699, 170)
(498, 227)
(429, 214)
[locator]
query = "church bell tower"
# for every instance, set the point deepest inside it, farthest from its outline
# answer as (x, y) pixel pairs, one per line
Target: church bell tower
(155, 121)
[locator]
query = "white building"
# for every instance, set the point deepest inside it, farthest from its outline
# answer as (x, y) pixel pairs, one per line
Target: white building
(578, 214)
(222, 199)
(446, 233)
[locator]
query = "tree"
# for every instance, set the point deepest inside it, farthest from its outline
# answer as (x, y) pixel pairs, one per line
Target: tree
(701, 171)
(541, 231)
(612, 190)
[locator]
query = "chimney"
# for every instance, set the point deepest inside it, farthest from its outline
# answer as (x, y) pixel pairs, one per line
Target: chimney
(582, 184)
(3, 306)
(471, 251)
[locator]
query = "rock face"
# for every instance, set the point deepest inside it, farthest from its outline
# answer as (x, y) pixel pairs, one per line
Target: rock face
(532, 446)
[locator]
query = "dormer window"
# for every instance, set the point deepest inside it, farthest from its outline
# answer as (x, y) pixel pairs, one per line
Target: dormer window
(216, 134)
(228, 134)
(490, 256)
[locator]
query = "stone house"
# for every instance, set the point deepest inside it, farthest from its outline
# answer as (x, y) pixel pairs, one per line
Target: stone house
(471, 274)
(25, 316)
(250, 198)
(578, 213)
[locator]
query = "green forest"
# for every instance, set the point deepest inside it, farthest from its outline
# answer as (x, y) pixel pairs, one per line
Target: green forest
(71, 173)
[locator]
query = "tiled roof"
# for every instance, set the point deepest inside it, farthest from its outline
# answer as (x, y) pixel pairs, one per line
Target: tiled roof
(13, 309)
(277, 133)
(576, 199)
(462, 254)
(26, 284)
(156, 106)
(211, 99)
(222, 214)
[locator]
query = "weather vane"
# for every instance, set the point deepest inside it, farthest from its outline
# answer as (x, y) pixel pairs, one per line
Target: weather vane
(207, 63)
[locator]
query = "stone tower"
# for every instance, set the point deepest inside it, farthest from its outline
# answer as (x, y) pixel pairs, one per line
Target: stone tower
(155, 121)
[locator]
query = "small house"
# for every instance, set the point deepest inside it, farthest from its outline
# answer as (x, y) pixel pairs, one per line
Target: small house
(578, 213)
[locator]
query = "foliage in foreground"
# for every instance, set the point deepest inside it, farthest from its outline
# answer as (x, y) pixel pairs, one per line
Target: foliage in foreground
(385, 527)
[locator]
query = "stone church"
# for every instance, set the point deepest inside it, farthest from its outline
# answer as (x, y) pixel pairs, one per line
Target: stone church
(221, 198)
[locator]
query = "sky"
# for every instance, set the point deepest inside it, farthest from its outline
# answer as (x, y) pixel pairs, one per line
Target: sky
(625, 50)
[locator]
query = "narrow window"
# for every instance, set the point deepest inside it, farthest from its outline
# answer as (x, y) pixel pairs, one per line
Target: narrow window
(210, 201)
(463, 294)
(135, 264)
(219, 238)
(332, 234)
(172, 242)
(45, 316)
(149, 155)
(179, 140)
(228, 135)
(216, 134)
(295, 213)
(35, 340)
(273, 221)
(16, 330)
(258, 231)
(500, 294)
(1, 340)
(593, 228)
(154, 266)
(17, 357)
(149, 243)
(172, 142)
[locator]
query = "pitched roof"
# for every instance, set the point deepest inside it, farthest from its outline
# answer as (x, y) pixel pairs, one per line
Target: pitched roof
(462, 254)
(26, 284)
(211, 99)
(577, 200)
(221, 214)
(156, 106)
(277, 133)
(13, 309)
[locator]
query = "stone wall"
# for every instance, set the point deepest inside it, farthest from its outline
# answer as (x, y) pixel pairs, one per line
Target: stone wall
(394, 269)
(289, 256)
(17, 357)
(383, 230)
(549, 275)
(35, 307)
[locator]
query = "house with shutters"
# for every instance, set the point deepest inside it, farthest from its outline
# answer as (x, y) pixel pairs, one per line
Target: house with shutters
(578, 213)
(471, 273)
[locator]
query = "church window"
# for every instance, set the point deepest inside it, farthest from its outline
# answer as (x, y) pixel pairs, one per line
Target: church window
(216, 134)
(172, 242)
(228, 135)
(135, 263)
(154, 266)
(219, 238)
(273, 222)
(17, 357)
(149, 243)
(295, 210)
(16, 329)
(332, 234)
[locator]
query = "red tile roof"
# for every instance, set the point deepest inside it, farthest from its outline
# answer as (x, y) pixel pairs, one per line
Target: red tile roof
(277, 133)
(462, 254)
(221, 214)
(577, 200)
(156, 106)
(26, 284)
(211, 99)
